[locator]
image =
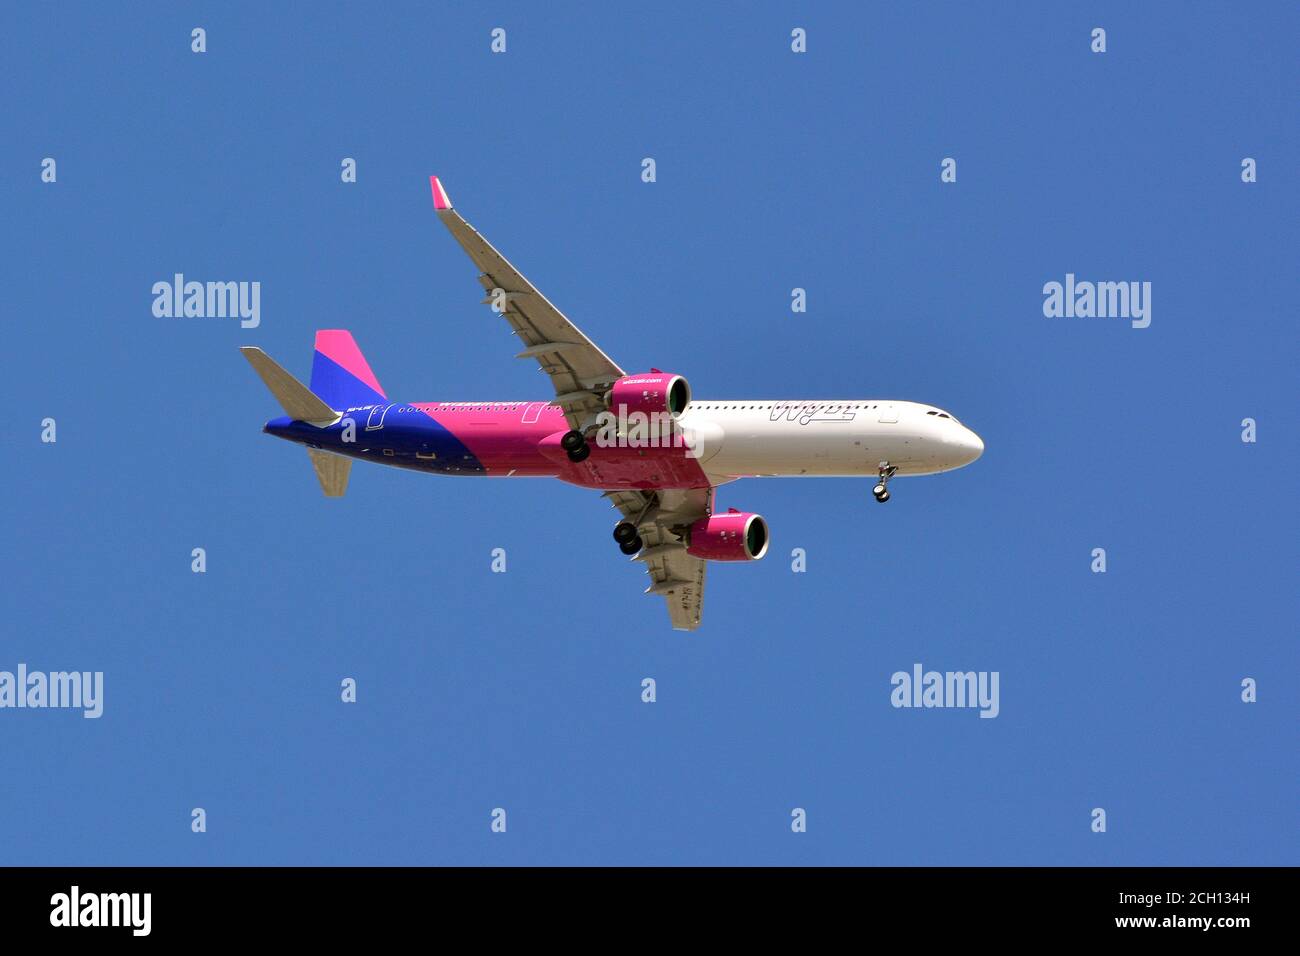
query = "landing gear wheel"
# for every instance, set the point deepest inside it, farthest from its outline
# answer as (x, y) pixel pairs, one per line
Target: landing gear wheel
(881, 491)
(631, 547)
(624, 532)
(575, 446)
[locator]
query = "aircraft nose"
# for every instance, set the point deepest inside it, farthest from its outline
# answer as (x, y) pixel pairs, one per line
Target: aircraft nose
(973, 445)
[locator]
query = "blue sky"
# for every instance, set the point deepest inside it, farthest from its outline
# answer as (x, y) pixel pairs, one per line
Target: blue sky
(522, 690)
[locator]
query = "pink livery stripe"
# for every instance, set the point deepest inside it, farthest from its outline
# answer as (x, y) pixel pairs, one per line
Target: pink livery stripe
(338, 346)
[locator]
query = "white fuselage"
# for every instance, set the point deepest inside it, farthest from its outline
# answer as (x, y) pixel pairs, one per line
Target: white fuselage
(736, 439)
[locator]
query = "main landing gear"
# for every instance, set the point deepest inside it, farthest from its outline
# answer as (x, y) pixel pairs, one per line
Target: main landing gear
(576, 447)
(881, 491)
(629, 541)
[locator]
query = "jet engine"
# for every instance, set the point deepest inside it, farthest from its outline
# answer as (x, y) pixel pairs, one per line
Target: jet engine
(651, 393)
(732, 536)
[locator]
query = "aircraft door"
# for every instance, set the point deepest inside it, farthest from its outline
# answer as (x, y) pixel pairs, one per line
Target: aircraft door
(377, 416)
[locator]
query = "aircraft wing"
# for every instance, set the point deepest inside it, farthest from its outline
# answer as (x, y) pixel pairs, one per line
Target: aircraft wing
(676, 575)
(579, 370)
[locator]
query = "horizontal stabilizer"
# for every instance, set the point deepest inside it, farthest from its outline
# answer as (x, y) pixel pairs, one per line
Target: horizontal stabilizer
(294, 397)
(332, 470)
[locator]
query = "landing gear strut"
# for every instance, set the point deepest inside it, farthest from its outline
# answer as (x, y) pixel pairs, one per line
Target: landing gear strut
(575, 446)
(881, 491)
(629, 541)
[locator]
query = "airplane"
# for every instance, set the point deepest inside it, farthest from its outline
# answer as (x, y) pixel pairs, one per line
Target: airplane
(641, 439)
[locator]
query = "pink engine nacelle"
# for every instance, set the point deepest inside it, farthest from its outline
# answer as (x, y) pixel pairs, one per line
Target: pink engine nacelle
(733, 536)
(653, 392)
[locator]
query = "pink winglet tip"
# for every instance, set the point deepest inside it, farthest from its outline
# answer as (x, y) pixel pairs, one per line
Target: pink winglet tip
(440, 200)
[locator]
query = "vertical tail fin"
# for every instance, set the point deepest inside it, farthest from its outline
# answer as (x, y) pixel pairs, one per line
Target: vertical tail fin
(340, 374)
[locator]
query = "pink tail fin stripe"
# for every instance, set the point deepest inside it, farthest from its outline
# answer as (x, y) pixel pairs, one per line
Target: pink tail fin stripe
(338, 346)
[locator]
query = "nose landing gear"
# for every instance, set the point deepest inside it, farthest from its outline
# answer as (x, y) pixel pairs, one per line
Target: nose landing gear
(881, 491)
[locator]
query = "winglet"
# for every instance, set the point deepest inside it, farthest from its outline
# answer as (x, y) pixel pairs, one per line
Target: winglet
(440, 199)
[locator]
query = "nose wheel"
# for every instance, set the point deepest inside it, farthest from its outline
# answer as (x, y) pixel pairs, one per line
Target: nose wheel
(881, 491)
